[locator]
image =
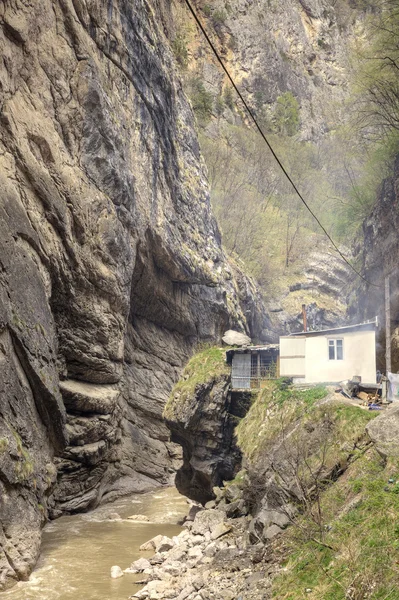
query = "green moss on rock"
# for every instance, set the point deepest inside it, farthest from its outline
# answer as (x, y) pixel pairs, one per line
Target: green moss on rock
(205, 365)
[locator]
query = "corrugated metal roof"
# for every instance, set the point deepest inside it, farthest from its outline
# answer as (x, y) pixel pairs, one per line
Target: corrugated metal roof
(346, 328)
(246, 349)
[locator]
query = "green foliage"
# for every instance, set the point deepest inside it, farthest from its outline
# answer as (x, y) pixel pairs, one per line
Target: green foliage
(25, 466)
(228, 97)
(377, 81)
(201, 100)
(277, 405)
(180, 50)
(219, 17)
(286, 114)
(3, 445)
(219, 105)
(205, 365)
(362, 510)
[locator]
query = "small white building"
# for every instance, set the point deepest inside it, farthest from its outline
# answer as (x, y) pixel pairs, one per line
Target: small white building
(330, 355)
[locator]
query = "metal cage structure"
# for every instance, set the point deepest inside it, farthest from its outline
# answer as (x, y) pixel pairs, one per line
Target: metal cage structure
(252, 367)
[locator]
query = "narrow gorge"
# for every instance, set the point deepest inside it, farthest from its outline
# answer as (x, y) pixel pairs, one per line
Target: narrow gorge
(140, 219)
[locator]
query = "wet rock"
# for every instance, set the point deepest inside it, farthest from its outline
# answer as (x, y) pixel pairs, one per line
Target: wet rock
(151, 544)
(114, 516)
(116, 572)
(140, 565)
(194, 509)
(208, 459)
(142, 518)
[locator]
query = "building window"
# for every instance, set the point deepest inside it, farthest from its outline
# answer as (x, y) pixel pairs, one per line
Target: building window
(336, 349)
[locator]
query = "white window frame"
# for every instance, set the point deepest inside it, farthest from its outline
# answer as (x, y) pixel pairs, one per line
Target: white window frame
(334, 345)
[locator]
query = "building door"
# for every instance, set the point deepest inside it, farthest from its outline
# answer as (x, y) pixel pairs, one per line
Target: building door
(241, 372)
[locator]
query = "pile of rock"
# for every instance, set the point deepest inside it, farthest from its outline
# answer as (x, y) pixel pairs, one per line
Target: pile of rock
(211, 558)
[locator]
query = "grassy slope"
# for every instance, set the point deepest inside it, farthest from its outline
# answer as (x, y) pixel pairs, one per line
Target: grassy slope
(362, 518)
(360, 555)
(360, 510)
(207, 364)
(273, 406)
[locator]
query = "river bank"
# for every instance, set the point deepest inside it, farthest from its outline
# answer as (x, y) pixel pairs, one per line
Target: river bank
(212, 558)
(78, 551)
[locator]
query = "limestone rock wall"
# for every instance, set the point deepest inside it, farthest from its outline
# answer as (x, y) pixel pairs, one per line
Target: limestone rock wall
(379, 255)
(273, 48)
(111, 266)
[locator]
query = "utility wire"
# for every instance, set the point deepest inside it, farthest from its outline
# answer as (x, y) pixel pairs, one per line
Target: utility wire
(258, 127)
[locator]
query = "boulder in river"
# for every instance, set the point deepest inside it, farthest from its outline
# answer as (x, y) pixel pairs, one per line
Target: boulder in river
(116, 572)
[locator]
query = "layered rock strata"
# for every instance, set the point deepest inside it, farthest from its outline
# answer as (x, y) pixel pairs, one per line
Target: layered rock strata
(204, 426)
(111, 266)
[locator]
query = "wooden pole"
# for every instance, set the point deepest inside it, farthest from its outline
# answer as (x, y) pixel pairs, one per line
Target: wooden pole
(388, 365)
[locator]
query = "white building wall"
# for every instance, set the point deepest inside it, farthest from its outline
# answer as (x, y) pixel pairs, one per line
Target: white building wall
(292, 356)
(308, 357)
(359, 358)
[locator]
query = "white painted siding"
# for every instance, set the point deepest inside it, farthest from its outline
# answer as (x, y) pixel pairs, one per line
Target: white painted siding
(359, 357)
(292, 356)
(308, 357)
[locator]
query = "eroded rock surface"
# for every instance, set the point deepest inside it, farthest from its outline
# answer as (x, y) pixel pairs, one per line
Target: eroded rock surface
(204, 426)
(111, 266)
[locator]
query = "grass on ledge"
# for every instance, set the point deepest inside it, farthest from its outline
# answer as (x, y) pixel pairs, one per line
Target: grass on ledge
(205, 365)
(276, 405)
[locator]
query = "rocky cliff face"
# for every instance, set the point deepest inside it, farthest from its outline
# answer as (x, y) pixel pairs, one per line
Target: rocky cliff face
(111, 265)
(203, 424)
(322, 286)
(379, 257)
(273, 47)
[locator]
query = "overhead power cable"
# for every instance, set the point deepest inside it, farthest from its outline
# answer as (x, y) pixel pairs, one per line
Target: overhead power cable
(258, 127)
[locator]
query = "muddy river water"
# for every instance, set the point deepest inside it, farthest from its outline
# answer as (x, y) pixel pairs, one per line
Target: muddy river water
(78, 551)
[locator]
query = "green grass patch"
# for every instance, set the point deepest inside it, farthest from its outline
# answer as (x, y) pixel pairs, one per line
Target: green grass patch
(205, 365)
(362, 527)
(274, 408)
(25, 465)
(279, 406)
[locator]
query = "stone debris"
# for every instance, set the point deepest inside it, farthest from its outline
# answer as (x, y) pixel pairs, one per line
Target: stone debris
(138, 566)
(212, 558)
(142, 518)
